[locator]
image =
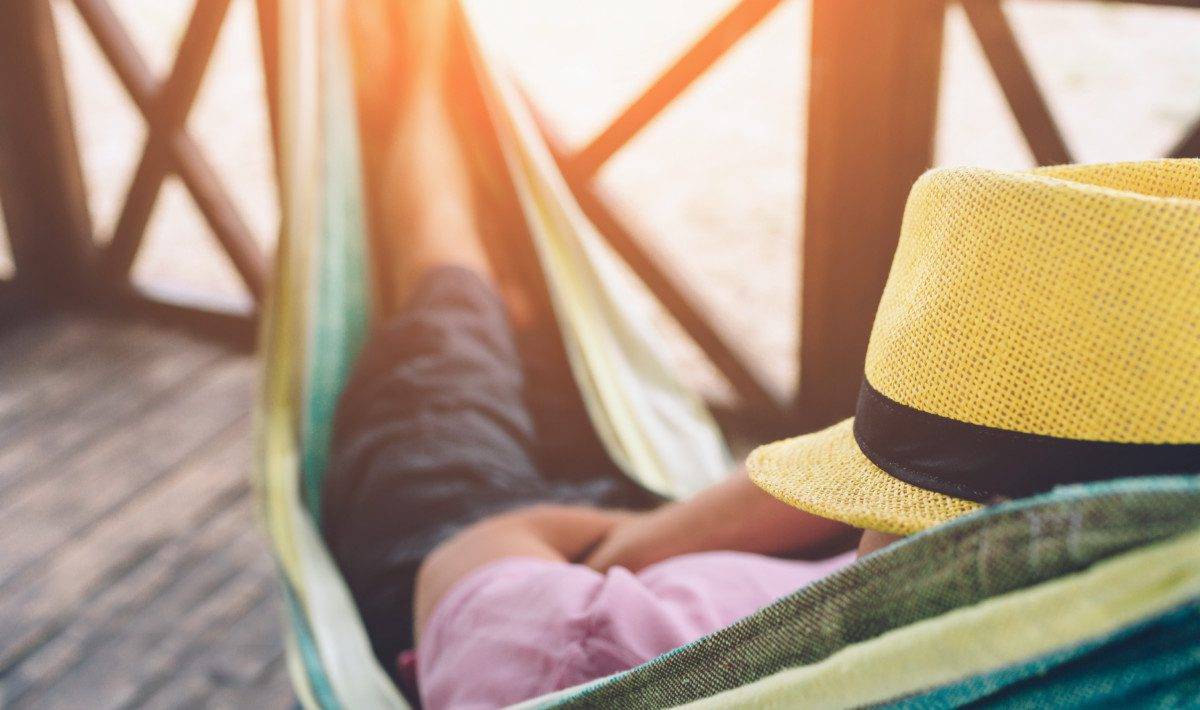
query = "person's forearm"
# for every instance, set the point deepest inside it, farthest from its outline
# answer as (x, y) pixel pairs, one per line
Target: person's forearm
(733, 515)
(738, 515)
(557, 533)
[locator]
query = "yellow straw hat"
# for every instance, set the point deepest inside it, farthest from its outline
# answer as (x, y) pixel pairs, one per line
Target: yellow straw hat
(1038, 328)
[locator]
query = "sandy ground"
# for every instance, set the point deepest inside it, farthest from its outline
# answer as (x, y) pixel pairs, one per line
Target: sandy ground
(715, 184)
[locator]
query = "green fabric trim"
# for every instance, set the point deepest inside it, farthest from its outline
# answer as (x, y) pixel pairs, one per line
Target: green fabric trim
(993, 552)
(340, 309)
(1178, 694)
(994, 633)
(1130, 662)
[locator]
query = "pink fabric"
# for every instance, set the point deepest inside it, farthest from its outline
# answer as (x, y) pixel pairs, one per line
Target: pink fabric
(520, 627)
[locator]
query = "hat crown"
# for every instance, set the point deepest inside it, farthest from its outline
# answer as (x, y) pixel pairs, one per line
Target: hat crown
(1063, 302)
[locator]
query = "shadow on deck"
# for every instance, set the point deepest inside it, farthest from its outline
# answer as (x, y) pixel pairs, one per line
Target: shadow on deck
(132, 572)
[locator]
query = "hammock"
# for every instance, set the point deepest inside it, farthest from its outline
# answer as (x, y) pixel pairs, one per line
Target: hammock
(654, 428)
(651, 425)
(958, 613)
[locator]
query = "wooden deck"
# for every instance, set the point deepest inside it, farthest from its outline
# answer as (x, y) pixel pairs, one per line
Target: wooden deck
(132, 570)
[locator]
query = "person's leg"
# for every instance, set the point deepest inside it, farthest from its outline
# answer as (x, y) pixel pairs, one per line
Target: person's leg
(431, 435)
(418, 181)
(431, 432)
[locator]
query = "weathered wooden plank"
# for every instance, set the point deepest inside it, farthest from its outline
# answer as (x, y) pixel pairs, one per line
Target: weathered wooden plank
(67, 501)
(41, 380)
(148, 566)
(19, 335)
(272, 692)
(34, 351)
(68, 360)
(233, 669)
(35, 671)
(144, 652)
(161, 617)
(37, 605)
(124, 370)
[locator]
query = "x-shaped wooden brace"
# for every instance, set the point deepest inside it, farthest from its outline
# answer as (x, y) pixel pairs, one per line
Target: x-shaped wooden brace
(169, 148)
(1021, 90)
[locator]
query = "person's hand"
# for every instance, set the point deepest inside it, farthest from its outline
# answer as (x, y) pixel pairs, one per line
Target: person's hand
(636, 541)
(734, 515)
(555, 533)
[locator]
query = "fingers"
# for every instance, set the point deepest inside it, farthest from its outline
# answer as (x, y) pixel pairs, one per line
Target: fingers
(624, 544)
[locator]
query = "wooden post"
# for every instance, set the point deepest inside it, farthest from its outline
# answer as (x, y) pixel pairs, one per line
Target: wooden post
(1189, 145)
(268, 45)
(871, 120)
(41, 184)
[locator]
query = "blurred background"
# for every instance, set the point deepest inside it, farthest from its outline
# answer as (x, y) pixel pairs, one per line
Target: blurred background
(715, 184)
(107, 428)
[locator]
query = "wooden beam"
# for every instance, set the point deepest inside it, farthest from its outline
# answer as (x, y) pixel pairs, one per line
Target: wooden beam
(670, 291)
(230, 323)
(268, 43)
(1194, 4)
(173, 101)
(187, 159)
(1017, 81)
(725, 33)
(679, 300)
(17, 306)
(872, 112)
(1189, 145)
(41, 183)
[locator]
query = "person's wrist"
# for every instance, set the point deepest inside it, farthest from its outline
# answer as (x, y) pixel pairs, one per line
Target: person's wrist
(635, 542)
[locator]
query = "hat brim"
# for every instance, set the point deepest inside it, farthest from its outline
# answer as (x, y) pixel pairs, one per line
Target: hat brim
(827, 474)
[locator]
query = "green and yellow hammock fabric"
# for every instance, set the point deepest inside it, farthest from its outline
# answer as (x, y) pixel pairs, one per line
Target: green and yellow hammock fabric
(1088, 595)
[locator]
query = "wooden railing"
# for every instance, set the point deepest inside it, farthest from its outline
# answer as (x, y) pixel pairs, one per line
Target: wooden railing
(871, 121)
(64, 264)
(872, 106)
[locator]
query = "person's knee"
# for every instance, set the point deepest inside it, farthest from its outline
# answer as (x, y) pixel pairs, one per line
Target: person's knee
(492, 539)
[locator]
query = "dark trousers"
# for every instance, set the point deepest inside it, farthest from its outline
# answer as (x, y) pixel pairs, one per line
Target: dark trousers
(445, 421)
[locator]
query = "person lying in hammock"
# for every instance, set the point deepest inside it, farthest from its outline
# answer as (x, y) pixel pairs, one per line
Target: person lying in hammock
(476, 518)
(469, 504)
